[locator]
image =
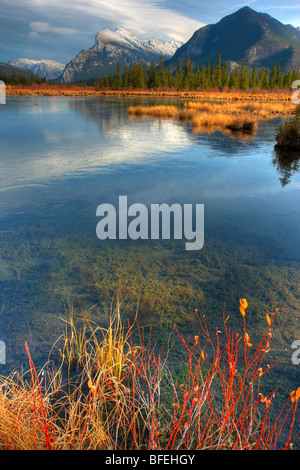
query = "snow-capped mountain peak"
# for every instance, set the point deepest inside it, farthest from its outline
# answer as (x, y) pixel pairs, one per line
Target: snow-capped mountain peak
(112, 47)
(125, 38)
(47, 68)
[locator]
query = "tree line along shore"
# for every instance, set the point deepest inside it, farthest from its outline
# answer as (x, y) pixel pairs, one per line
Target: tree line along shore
(186, 78)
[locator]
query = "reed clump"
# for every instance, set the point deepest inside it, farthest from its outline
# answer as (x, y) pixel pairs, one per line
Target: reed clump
(107, 394)
(236, 123)
(224, 115)
(155, 111)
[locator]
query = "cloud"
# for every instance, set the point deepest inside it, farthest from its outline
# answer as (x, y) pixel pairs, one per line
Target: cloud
(41, 27)
(145, 18)
(240, 5)
(142, 17)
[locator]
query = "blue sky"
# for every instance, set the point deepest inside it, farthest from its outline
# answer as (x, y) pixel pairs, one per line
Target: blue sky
(59, 29)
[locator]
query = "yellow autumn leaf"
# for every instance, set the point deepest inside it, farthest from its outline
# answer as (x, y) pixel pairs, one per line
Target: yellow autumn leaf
(247, 340)
(268, 320)
(242, 310)
(244, 303)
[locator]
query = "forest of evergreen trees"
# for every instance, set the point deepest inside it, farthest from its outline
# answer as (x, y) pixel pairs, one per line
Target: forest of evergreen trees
(22, 79)
(187, 77)
(207, 77)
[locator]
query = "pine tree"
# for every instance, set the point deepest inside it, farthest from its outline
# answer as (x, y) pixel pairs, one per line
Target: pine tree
(266, 80)
(203, 85)
(253, 80)
(287, 82)
(170, 78)
(280, 77)
(188, 74)
(225, 77)
(244, 81)
(234, 82)
(218, 73)
(197, 78)
(126, 78)
(208, 76)
(119, 76)
(273, 79)
(179, 76)
(153, 76)
(162, 78)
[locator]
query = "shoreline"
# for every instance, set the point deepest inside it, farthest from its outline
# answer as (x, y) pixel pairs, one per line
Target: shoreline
(76, 90)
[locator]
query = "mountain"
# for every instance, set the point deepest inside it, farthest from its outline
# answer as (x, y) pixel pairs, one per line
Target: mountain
(115, 46)
(256, 38)
(49, 69)
(6, 69)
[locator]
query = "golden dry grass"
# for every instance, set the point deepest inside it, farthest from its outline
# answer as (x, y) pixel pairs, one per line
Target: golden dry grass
(75, 90)
(236, 116)
(155, 111)
(112, 400)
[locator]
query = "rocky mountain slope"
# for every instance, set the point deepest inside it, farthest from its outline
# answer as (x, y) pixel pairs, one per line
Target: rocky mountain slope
(116, 46)
(247, 35)
(7, 69)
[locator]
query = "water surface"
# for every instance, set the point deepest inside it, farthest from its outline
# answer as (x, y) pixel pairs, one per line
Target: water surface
(62, 157)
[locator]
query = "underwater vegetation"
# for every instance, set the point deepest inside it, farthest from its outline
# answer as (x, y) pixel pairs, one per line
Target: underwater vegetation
(43, 273)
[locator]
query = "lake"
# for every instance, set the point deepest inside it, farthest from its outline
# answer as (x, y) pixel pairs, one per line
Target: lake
(63, 157)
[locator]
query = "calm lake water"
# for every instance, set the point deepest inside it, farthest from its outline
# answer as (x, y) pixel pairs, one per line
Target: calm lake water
(62, 157)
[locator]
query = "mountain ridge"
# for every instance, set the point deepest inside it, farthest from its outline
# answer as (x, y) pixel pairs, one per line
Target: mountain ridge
(7, 69)
(111, 47)
(245, 35)
(50, 69)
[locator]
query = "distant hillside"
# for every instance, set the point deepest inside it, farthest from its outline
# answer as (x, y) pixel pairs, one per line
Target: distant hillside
(112, 47)
(6, 69)
(50, 69)
(256, 38)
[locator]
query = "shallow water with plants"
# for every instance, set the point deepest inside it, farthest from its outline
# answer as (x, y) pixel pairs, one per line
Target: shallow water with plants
(62, 157)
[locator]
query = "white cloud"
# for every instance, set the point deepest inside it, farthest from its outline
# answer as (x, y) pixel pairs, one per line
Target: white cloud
(240, 5)
(145, 18)
(141, 17)
(41, 27)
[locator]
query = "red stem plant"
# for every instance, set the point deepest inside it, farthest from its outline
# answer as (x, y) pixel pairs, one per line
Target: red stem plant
(115, 397)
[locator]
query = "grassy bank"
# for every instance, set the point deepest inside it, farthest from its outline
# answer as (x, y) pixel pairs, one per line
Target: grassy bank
(77, 90)
(114, 390)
